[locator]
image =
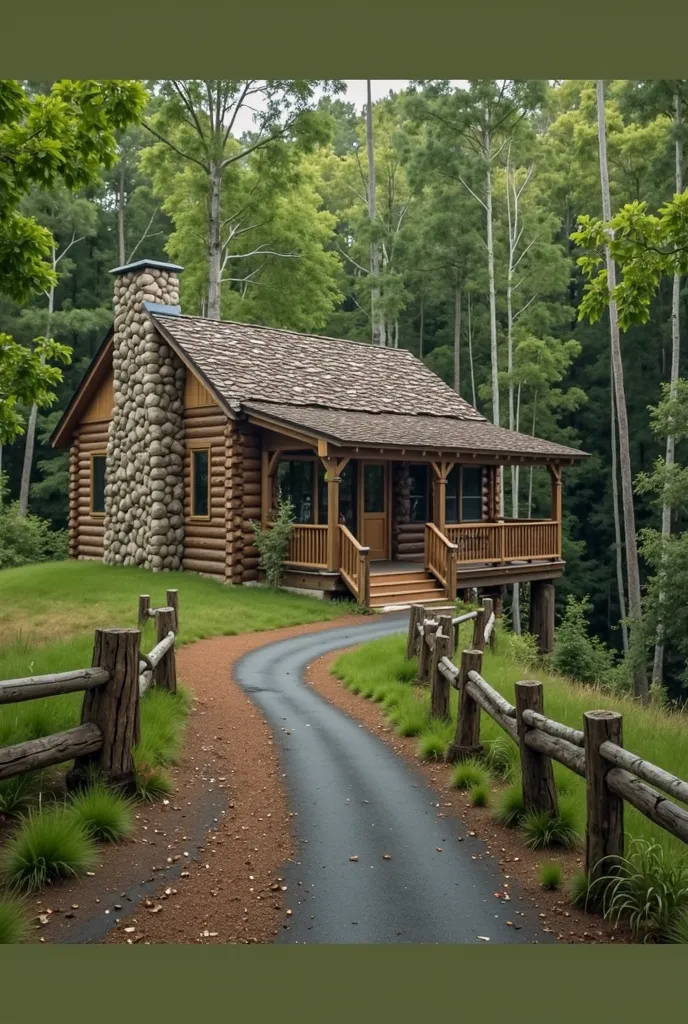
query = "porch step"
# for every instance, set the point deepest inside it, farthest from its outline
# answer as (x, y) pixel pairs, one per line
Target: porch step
(405, 585)
(405, 588)
(425, 597)
(379, 579)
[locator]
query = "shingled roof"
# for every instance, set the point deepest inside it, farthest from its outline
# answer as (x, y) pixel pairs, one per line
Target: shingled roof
(347, 392)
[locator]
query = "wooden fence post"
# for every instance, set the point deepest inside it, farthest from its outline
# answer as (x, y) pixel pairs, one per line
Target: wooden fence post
(165, 672)
(173, 603)
(444, 646)
(113, 708)
(425, 654)
(479, 623)
(467, 740)
(411, 642)
(144, 608)
(537, 775)
(604, 832)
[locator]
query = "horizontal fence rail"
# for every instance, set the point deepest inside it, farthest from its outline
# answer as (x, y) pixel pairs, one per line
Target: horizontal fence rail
(509, 540)
(612, 774)
(112, 688)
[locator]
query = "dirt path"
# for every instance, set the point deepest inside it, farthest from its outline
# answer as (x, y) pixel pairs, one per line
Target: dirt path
(375, 861)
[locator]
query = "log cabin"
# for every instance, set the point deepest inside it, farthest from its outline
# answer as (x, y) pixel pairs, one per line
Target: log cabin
(184, 431)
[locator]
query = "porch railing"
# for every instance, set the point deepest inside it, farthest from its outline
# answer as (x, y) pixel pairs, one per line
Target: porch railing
(440, 558)
(355, 565)
(308, 546)
(515, 540)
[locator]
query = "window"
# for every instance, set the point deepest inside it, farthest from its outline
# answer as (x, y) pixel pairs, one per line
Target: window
(296, 482)
(200, 483)
(464, 495)
(98, 485)
(373, 487)
(471, 493)
(419, 493)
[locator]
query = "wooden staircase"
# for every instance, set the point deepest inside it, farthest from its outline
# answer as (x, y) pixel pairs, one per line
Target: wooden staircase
(404, 588)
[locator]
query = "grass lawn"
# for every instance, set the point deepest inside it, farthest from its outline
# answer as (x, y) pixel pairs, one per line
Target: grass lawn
(379, 670)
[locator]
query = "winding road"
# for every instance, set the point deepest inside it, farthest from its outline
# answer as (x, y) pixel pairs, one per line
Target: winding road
(354, 797)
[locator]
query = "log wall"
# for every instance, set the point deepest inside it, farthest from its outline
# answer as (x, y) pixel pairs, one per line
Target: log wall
(86, 532)
(242, 500)
(205, 540)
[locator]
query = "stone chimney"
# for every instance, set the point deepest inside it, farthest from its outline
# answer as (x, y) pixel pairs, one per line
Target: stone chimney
(144, 492)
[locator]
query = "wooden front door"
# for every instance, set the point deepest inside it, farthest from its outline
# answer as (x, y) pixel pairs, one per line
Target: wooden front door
(374, 507)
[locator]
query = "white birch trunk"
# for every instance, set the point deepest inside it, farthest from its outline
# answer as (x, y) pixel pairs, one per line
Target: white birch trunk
(658, 665)
(640, 688)
(376, 317)
(120, 216)
(618, 544)
(470, 352)
(457, 340)
(491, 279)
(214, 242)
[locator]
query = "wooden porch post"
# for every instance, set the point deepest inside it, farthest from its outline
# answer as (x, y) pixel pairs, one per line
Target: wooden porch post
(555, 476)
(441, 471)
(268, 467)
(333, 468)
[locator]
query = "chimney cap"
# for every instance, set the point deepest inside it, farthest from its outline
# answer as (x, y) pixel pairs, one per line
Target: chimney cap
(140, 264)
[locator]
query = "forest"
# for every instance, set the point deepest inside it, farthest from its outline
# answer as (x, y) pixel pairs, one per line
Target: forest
(480, 227)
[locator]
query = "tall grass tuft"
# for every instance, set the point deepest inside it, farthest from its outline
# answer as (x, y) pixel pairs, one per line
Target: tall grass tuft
(469, 773)
(480, 795)
(510, 808)
(103, 813)
(550, 875)
(13, 922)
(541, 829)
(19, 793)
(647, 889)
(47, 845)
(434, 739)
(501, 757)
(152, 784)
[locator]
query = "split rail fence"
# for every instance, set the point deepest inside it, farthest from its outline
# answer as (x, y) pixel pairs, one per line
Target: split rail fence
(613, 775)
(112, 688)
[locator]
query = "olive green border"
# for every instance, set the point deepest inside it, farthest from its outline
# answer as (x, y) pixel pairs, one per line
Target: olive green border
(417, 38)
(432, 38)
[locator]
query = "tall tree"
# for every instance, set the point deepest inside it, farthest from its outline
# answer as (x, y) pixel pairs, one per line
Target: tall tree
(377, 322)
(197, 120)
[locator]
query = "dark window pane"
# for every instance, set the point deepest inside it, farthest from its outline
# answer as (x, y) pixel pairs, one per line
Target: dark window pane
(322, 495)
(373, 487)
(200, 505)
(472, 494)
(98, 483)
(451, 507)
(295, 480)
(347, 497)
(419, 491)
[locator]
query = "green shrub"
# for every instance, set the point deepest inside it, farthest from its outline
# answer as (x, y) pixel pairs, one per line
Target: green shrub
(103, 813)
(469, 773)
(13, 923)
(542, 829)
(510, 808)
(18, 793)
(576, 654)
(272, 541)
(48, 844)
(410, 716)
(25, 539)
(396, 693)
(522, 649)
(646, 888)
(583, 893)
(434, 739)
(480, 795)
(550, 875)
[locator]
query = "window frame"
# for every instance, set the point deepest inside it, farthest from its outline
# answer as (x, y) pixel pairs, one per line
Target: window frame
(318, 469)
(193, 450)
(459, 467)
(92, 511)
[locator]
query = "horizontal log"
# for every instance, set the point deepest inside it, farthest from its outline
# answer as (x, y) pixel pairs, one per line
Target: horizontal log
(212, 544)
(449, 670)
(212, 568)
(252, 476)
(160, 649)
(663, 780)
(94, 443)
(250, 563)
(87, 427)
(12, 691)
(464, 618)
(481, 698)
(90, 551)
(194, 529)
(204, 554)
(90, 529)
(249, 575)
(48, 750)
(564, 732)
(559, 750)
(145, 679)
(504, 706)
(212, 421)
(653, 805)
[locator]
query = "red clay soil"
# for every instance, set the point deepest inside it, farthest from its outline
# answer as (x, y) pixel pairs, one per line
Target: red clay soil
(520, 865)
(221, 885)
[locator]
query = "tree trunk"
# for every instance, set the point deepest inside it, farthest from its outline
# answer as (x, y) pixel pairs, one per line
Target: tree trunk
(491, 278)
(617, 526)
(214, 243)
(530, 482)
(658, 666)
(30, 445)
(634, 600)
(378, 332)
(120, 216)
(457, 340)
(470, 352)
